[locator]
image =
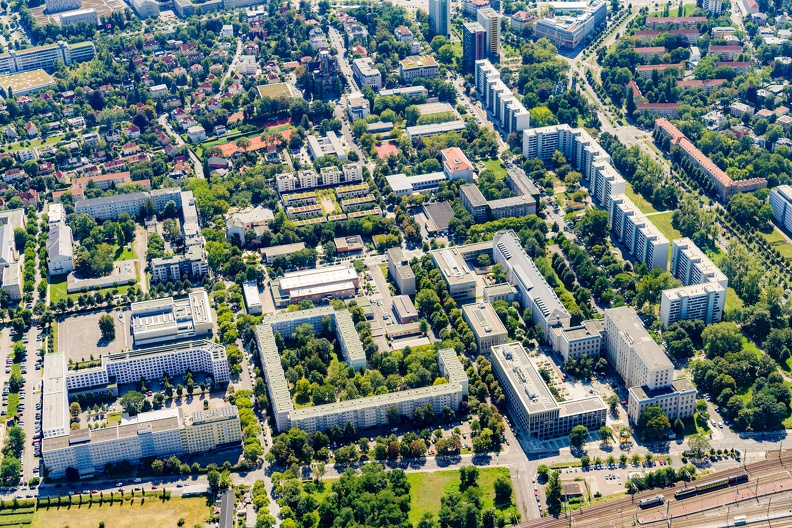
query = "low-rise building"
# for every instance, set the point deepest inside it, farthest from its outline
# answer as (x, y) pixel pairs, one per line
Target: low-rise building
(331, 144)
(404, 309)
(269, 254)
(417, 66)
(317, 285)
(252, 298)
(60, 249)
(403, 185)
(171, 319)
(584, 340)
(366, 74)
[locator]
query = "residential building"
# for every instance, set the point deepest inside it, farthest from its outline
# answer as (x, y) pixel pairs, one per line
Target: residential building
(440, 17)
(661, 109)
(255, 220)
(474, 45)
(325, 146)
(349, 245)
(485, 325)
(713, 6)
(109, 207)
(403, 34)
(677, 22)
(571, 32)
(45, 57)
(499, 98)
(400, 271)
(724, 185)
(409, 92)
(60, 249)
(781, 202)
(170, 319)
(483, 209)
(196, 134)
(637, 233)
(691, 265)
(366, 74)
(521, 20)
(649, 35)
(697, 301)
(726, 52)
(645, 70)
(489, 19)
(418, 66)
(357, 106)
(738, 109)
(531, 403)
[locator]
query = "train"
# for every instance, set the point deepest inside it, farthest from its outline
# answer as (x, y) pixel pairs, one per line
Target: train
(707, 486)
(651, 502)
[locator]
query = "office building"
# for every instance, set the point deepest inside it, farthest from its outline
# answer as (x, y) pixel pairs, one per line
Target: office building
(571, 32)
(404, 309)
(435, 129)
(361, 412)
(316, 284)
(632, 351)
(357, 107)
(400, 271)
(489, 19)
(26, 83)
(483, 209)
(329, 145)
(725, 186)
(88, 16)
(637, 233)
(533, 291)
(45, 57)
(56, 6)
(269, 254)
(171, 319)
(531, 403)
(440, 17)
(678, 400)
(585, 340)
(60, 249)
(418, 66)
(366, 74)
(485, 325)
(500, 292)
(456, 272)
(474, 45)
(409, 92)
(456, 165)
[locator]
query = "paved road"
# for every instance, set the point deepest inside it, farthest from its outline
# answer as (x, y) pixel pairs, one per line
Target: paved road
(232, 67)
(197, 165)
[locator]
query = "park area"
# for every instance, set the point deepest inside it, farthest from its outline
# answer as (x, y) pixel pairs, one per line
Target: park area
(151, 511)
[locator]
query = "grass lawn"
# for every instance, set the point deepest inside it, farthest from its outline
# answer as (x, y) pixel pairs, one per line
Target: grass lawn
(153, 512)
(13, 403)
(746, 396)
(426, 489)
(123, 253)
(779, 242)
(687, 10)
(700, 426)
(732, 299)
(496, 167)
(113, 418)
(640, 202)
(748, 345)
(384, 267)
(54, 335)
(663, 223)
(37, 143)
(58, 287)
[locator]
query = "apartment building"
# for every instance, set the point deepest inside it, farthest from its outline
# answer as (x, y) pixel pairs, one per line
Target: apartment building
(713, 6)
(351, 173)
(490, 20)
(499, 99)
(677, 22)
(11, 260)
(697, 301)
(691, 265)
(366, 74)
(483, 209)
(45, 57)
(485, 325)
(474, 45)
(60, 249)
(725, 186)
(571, 32)
(440, 17)
(530, 401)
(400, 271)
(781, 202)
(637, 233)
(649, 35)
(645, 71)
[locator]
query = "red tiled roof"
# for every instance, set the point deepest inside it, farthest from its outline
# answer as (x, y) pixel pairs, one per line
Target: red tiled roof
(703, 82)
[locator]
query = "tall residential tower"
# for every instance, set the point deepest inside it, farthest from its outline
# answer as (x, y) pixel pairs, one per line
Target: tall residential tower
(440, 17)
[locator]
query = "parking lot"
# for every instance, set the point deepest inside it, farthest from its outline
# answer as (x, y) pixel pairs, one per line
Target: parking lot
(80, 338)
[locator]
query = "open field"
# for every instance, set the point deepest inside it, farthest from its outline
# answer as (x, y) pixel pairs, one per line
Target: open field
(496, 167)
(640, 202)
(662, 222)
(426, 489)
(82, 339)
(687, 10)
(58, 288)
(778, 241)
(152, 512)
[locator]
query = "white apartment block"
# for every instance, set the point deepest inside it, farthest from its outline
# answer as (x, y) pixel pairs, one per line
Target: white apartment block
(351, 173)
(55, 6)
(781, 202)
(530, 401)
(692, 266)
(60, 249)
(713, 6)
(697, 301)
(366, 74)
(486, 326)
(499, 99)
(490, 20)
(88, 16)
(633, 229)
(632, 351)
(44, 57)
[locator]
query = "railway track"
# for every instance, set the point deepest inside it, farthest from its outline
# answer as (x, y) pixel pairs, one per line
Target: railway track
(621, 512)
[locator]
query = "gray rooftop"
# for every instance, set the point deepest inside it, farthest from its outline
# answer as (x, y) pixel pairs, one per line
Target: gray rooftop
(533, 394)
(116, 198)
(630, 325)
(473, 195)
(396, 255)
(440, 214)
(482, 319)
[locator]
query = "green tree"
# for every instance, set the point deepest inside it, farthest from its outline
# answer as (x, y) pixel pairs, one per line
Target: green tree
(578, 436)
(698, 446)
(503, 491)
(107, 327)
(653, 423)
(722, 338)
(132, 402)
(553, 493)
(606, 434)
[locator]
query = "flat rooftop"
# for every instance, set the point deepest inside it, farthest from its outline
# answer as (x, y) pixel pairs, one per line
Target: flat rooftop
(678, 385)
(483, 319)
(631, 326)
(453, 266)
(311, 278)
(533, 394)
(586, 329)
(25, 82)
(54, 404)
